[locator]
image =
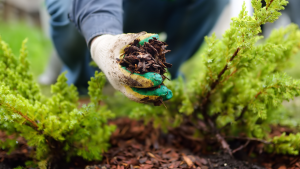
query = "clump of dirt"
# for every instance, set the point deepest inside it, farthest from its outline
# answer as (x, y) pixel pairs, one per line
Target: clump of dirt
(149, 57)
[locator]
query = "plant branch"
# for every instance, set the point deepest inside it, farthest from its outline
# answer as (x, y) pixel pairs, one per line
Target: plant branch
(246, 108)
(241, 147)
(269, 4)
(250, 139)
(204, 106)
(212, 87)
(224, 143)
(35, 126)
(229, 76)
(258, 94)
(216, 82)
(220, 138)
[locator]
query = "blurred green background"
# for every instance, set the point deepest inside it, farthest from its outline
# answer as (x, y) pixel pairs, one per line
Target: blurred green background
(39, 46)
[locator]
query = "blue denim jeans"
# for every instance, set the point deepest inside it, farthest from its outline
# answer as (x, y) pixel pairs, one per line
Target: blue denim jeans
(185, 22)
(69, 43)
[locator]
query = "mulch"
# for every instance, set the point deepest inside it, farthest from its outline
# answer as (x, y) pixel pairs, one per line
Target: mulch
(17, 157)
(136, 145)
(149, 57)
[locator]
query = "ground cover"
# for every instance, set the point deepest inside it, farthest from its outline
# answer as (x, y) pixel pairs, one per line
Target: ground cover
(135, 145)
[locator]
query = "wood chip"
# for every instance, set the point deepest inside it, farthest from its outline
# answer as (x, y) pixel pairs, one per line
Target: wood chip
(187, 160)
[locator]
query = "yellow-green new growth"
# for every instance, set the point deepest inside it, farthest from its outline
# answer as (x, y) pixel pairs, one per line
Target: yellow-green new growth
(241, 84)
(52, 125)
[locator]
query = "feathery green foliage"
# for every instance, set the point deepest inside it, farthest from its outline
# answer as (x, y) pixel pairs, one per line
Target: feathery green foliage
(242, 83)
(55, 126)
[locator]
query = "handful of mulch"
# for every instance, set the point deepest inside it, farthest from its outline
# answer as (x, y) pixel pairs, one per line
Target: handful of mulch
(149, 57)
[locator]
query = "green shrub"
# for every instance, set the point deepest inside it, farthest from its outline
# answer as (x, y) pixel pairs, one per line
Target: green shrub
(54, 126)
(241, 84)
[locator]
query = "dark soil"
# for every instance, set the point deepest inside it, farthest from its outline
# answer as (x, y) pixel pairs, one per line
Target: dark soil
(136, 145)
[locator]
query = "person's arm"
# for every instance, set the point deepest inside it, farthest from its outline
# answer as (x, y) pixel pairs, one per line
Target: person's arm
(104, 17)
(96, 17)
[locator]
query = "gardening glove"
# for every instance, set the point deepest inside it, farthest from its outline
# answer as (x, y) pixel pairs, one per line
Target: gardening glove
(105, 51)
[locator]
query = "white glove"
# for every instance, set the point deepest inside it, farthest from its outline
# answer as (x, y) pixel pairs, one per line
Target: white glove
(105, 50)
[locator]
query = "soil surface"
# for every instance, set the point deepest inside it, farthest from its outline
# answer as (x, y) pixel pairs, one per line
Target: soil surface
(136, 145)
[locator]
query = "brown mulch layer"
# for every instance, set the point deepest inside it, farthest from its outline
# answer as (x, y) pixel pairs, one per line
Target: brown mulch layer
(16, 157)
(136, 145)
(149, 57)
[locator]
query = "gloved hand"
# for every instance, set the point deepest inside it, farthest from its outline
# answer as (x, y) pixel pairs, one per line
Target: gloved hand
(105, 50)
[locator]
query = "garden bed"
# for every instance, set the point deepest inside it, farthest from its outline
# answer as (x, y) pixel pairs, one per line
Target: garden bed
(135, 145)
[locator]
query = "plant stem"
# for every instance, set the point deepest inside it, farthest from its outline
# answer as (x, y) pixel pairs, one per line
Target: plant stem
(269, 4)
(216, 82)
(246, 138)
(258, 94)
(246, 107)
(241, 147)
(205, 103)
(224, 143)
(35, 126)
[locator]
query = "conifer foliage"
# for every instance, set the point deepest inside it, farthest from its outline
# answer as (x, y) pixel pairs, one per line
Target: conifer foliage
(241, 85)
(54, 126)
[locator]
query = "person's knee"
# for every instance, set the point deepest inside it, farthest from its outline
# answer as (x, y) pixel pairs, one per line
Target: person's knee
(58, 11)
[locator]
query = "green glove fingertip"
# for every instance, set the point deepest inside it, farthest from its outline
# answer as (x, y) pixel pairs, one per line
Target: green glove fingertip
(155, 78)
(168, 96)
(163, 92)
